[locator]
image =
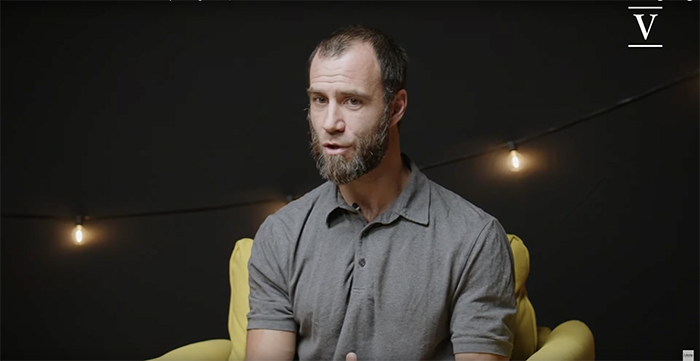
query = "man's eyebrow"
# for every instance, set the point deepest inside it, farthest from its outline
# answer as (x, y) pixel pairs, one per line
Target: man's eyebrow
(312, 91)
(343, 93)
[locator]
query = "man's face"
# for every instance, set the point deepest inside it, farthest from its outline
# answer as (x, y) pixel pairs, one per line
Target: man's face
(348, 120)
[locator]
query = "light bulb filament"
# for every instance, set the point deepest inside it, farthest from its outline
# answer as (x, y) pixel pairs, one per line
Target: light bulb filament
(78, 234)
(515, 162)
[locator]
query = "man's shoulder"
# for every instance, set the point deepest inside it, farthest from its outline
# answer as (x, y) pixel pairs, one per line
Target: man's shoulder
(460, 224)
(452, 207)
(296, 211)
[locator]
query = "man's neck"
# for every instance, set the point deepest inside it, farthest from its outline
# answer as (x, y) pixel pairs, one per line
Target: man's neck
(377, 190)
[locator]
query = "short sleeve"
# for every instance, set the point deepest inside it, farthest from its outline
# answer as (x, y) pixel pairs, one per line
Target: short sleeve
(484, 303)
(270, 303)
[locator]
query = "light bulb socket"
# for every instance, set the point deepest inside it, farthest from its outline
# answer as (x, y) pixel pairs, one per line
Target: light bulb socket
(511, 145)
(79, 220)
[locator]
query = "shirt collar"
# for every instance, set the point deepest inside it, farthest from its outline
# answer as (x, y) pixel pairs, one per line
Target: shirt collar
(412, 204)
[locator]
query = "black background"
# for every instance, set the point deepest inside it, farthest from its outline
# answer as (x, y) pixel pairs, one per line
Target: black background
(112, 108)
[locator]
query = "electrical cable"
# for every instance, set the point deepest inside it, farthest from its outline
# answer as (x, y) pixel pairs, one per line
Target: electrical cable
(511, 144)
(576, 121)
(142, 214)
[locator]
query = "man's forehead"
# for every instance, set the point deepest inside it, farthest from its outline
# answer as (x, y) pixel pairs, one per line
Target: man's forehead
(357, 63)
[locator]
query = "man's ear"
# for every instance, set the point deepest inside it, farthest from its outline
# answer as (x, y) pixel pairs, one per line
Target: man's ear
(398, 106)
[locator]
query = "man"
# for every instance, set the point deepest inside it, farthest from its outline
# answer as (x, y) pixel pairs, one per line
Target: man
(378, 263)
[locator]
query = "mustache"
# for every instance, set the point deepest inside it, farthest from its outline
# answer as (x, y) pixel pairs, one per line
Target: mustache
(369, 150)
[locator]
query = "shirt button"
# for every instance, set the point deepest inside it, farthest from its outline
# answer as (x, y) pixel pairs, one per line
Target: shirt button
(362, 262)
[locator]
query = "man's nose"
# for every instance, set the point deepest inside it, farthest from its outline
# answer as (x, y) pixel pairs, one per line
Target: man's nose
(333, 122)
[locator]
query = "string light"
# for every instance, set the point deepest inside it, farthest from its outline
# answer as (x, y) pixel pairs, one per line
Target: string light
(515, 163)
(79, 231)
(515, 160)
(555, 129)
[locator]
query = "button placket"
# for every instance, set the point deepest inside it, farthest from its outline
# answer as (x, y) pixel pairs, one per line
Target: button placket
(360, 259)
(360, 262)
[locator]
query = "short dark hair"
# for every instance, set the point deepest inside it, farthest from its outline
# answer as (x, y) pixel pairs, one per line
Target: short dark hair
(393, 61)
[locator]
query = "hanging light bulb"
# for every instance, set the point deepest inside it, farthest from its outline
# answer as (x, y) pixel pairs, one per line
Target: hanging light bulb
(79, 231)
(515, 160)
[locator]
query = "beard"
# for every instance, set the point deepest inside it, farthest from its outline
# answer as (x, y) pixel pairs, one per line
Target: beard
(370, 148)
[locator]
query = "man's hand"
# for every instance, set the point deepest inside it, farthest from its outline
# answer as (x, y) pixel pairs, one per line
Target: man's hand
(351, 356)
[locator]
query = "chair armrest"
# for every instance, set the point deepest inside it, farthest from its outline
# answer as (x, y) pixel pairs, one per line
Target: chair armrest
(570, 341)
(210, 350)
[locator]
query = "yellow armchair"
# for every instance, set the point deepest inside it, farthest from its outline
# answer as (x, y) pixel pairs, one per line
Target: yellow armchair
(572, 340)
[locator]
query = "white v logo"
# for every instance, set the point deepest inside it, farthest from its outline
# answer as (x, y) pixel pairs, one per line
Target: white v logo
(645, 31)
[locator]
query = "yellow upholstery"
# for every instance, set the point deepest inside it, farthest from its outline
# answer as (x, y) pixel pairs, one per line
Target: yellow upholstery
(213, 350)
(573, 337)
(238, 309)
(525, 333)
(572, 340)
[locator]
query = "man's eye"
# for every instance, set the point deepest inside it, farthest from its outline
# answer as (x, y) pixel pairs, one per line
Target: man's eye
(320, 100)
(354, 101)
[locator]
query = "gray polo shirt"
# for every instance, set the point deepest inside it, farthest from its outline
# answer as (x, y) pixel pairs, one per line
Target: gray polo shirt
(430, 277)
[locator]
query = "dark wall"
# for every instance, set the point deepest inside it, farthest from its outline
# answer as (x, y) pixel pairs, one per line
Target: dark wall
(113, 108)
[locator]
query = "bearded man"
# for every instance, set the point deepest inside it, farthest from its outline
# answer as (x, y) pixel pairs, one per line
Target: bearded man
(379, 262)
